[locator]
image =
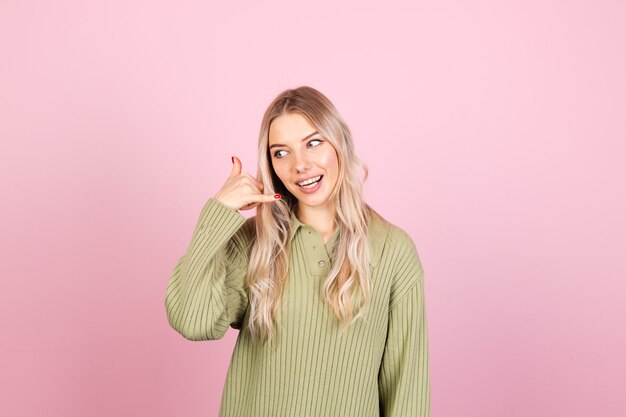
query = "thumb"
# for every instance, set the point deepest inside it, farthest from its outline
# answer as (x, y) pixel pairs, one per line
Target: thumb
(236, 167)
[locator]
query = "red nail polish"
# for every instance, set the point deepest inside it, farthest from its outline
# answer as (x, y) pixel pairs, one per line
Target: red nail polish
(232, 158)
(277, 196)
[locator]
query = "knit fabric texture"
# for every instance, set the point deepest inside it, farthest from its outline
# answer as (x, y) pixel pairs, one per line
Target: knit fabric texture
(376, 367)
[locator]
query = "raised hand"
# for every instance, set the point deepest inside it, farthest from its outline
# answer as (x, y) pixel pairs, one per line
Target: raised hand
(242, 191)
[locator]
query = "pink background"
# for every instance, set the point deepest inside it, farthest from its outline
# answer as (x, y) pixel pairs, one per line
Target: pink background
(495, 133)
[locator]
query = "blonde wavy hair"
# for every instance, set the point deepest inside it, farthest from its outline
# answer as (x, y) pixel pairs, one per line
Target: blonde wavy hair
(347, 287)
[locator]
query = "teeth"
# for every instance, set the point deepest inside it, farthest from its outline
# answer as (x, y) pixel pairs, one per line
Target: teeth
(309, 186)
(310, 181)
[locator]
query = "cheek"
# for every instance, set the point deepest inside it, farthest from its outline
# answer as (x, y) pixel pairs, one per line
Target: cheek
(281, 172)
(330, 161)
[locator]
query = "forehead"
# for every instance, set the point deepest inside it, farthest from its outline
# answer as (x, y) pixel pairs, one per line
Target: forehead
(289, 127)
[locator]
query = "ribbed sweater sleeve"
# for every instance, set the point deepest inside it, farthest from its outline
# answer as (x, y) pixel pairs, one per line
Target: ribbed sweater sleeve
(206, 293)
(403, 381)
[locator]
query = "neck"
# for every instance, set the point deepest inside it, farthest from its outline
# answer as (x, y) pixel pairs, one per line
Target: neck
(321, 218)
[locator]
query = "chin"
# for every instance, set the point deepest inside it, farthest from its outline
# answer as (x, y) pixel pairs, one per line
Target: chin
(315, 200)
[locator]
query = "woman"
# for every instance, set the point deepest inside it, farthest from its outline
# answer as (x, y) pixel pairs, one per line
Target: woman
(328, 295)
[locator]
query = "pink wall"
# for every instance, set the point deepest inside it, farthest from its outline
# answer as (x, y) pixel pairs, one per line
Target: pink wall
(495, 133)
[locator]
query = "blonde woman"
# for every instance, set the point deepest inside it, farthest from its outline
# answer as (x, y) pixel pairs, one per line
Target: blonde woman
(328, 295)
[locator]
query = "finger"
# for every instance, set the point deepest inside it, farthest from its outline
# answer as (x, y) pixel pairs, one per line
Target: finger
(259, 184)
(264, 198)
(249, 206)
(250, 185)
(236, 167)
(253, 190)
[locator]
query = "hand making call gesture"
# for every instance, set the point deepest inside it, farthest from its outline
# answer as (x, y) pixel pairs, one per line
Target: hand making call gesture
(242, 191)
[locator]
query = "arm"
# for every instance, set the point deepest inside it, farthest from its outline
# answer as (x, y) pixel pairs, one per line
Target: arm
(403, 379)
(206, 291)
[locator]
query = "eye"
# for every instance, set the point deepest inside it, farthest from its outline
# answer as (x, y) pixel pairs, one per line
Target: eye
(276, 154)
(311, 144)
(315, 140)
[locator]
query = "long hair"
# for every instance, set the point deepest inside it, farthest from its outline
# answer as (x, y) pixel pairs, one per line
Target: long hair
(347, 288)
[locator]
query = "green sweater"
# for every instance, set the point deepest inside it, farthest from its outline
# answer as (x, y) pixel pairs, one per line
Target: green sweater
(378, 367)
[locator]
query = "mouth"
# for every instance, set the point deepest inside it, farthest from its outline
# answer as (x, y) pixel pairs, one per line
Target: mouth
(310, 183)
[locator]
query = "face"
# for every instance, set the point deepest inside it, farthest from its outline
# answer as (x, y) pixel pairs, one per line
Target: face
(298, 154)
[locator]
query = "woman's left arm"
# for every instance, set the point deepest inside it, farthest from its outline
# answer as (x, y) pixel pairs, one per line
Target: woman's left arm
(403, 379)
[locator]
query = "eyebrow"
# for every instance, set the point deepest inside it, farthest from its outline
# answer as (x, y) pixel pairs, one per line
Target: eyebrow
(302, 140)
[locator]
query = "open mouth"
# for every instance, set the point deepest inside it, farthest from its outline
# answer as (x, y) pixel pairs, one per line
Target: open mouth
(311, 182)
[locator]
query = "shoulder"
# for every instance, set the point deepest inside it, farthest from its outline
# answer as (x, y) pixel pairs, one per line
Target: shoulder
(404, 269)
(388, 240)
(401, 241)
(407, 270)
(380, 228)
(396, 247)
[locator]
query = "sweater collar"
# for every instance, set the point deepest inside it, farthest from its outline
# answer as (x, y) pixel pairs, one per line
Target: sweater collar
(376, 235)
(295, 224)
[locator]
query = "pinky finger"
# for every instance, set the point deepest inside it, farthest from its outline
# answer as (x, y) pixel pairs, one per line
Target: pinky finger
(267, 198)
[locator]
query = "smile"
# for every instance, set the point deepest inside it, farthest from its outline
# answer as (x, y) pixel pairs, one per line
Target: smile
(310, 183)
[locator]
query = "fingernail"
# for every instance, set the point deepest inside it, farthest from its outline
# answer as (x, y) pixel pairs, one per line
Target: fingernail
(232, 158)
(277, 196)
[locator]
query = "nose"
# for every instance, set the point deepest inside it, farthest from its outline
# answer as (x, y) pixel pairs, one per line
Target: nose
(302, 162)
